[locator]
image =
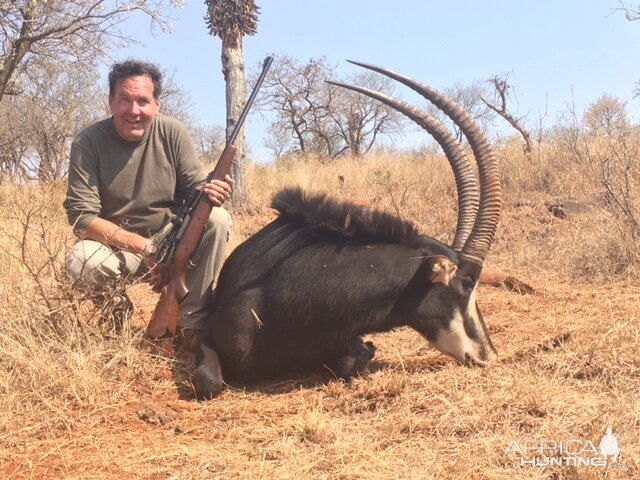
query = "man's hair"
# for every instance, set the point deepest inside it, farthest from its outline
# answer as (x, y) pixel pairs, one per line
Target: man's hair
(134, 68)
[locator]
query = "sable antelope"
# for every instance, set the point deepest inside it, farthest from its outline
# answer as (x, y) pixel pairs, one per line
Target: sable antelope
(302, 292)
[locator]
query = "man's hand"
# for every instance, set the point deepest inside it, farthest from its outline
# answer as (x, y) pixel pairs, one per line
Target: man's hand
(219, 191)
(158, 274)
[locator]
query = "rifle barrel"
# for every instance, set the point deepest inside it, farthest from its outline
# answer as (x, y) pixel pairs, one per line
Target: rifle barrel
(252, 97)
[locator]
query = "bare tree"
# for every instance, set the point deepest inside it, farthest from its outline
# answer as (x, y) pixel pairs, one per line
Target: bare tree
(56, 102)
(631, 12)
(231, 20)
(607, 114)
(278, 140)
(359, 120)
(298, 95)
(13, 143)
(313, 117)
(501, 90)
(210, 141)
(72, 31)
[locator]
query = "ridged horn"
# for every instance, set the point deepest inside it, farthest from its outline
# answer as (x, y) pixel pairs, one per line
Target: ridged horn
(479, 241)
(466, 182)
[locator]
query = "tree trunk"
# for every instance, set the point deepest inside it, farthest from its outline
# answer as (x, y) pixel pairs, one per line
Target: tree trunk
(236, 97)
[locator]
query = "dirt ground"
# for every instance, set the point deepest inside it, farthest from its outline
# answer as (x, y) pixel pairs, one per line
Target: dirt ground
(568, 369)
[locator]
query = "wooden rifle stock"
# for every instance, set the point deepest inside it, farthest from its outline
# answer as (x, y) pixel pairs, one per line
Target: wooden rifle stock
(164, 320)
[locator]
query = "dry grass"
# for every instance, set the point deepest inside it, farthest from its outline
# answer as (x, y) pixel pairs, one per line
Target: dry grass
(78, 400)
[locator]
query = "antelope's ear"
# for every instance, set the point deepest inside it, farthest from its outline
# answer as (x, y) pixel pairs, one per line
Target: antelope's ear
(442, 270)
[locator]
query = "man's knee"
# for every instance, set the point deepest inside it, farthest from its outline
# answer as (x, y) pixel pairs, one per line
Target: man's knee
(220, 223)
(92, 263)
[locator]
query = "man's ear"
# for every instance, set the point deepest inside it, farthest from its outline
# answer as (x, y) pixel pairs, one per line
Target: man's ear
(441, 270)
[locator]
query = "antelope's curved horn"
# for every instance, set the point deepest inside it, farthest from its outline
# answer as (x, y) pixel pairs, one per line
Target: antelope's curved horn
(465, 178)
(479, 241)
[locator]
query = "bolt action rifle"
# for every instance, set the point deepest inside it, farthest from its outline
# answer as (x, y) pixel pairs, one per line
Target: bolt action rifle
(187, 227)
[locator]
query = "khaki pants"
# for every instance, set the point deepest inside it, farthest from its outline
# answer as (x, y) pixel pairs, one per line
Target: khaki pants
(96, 266)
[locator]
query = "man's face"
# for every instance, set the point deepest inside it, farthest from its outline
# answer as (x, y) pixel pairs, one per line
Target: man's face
(133, 106)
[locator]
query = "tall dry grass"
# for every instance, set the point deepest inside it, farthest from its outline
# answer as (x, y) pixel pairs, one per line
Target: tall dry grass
(81, 400)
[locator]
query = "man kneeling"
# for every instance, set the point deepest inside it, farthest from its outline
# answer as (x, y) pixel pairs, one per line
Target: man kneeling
(128, 175)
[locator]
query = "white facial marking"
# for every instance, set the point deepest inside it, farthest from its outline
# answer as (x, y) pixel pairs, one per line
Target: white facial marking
(473, 311)
(455, 342)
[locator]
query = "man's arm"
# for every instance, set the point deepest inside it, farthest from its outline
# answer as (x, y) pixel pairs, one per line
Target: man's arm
(109, 233)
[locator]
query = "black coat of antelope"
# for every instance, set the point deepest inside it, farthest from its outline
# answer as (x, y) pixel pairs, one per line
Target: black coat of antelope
(302, 292)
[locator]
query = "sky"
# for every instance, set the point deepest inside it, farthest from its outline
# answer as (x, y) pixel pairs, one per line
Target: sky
(556, 52)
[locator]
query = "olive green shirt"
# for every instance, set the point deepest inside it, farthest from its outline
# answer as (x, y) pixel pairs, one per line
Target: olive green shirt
(138, 185)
